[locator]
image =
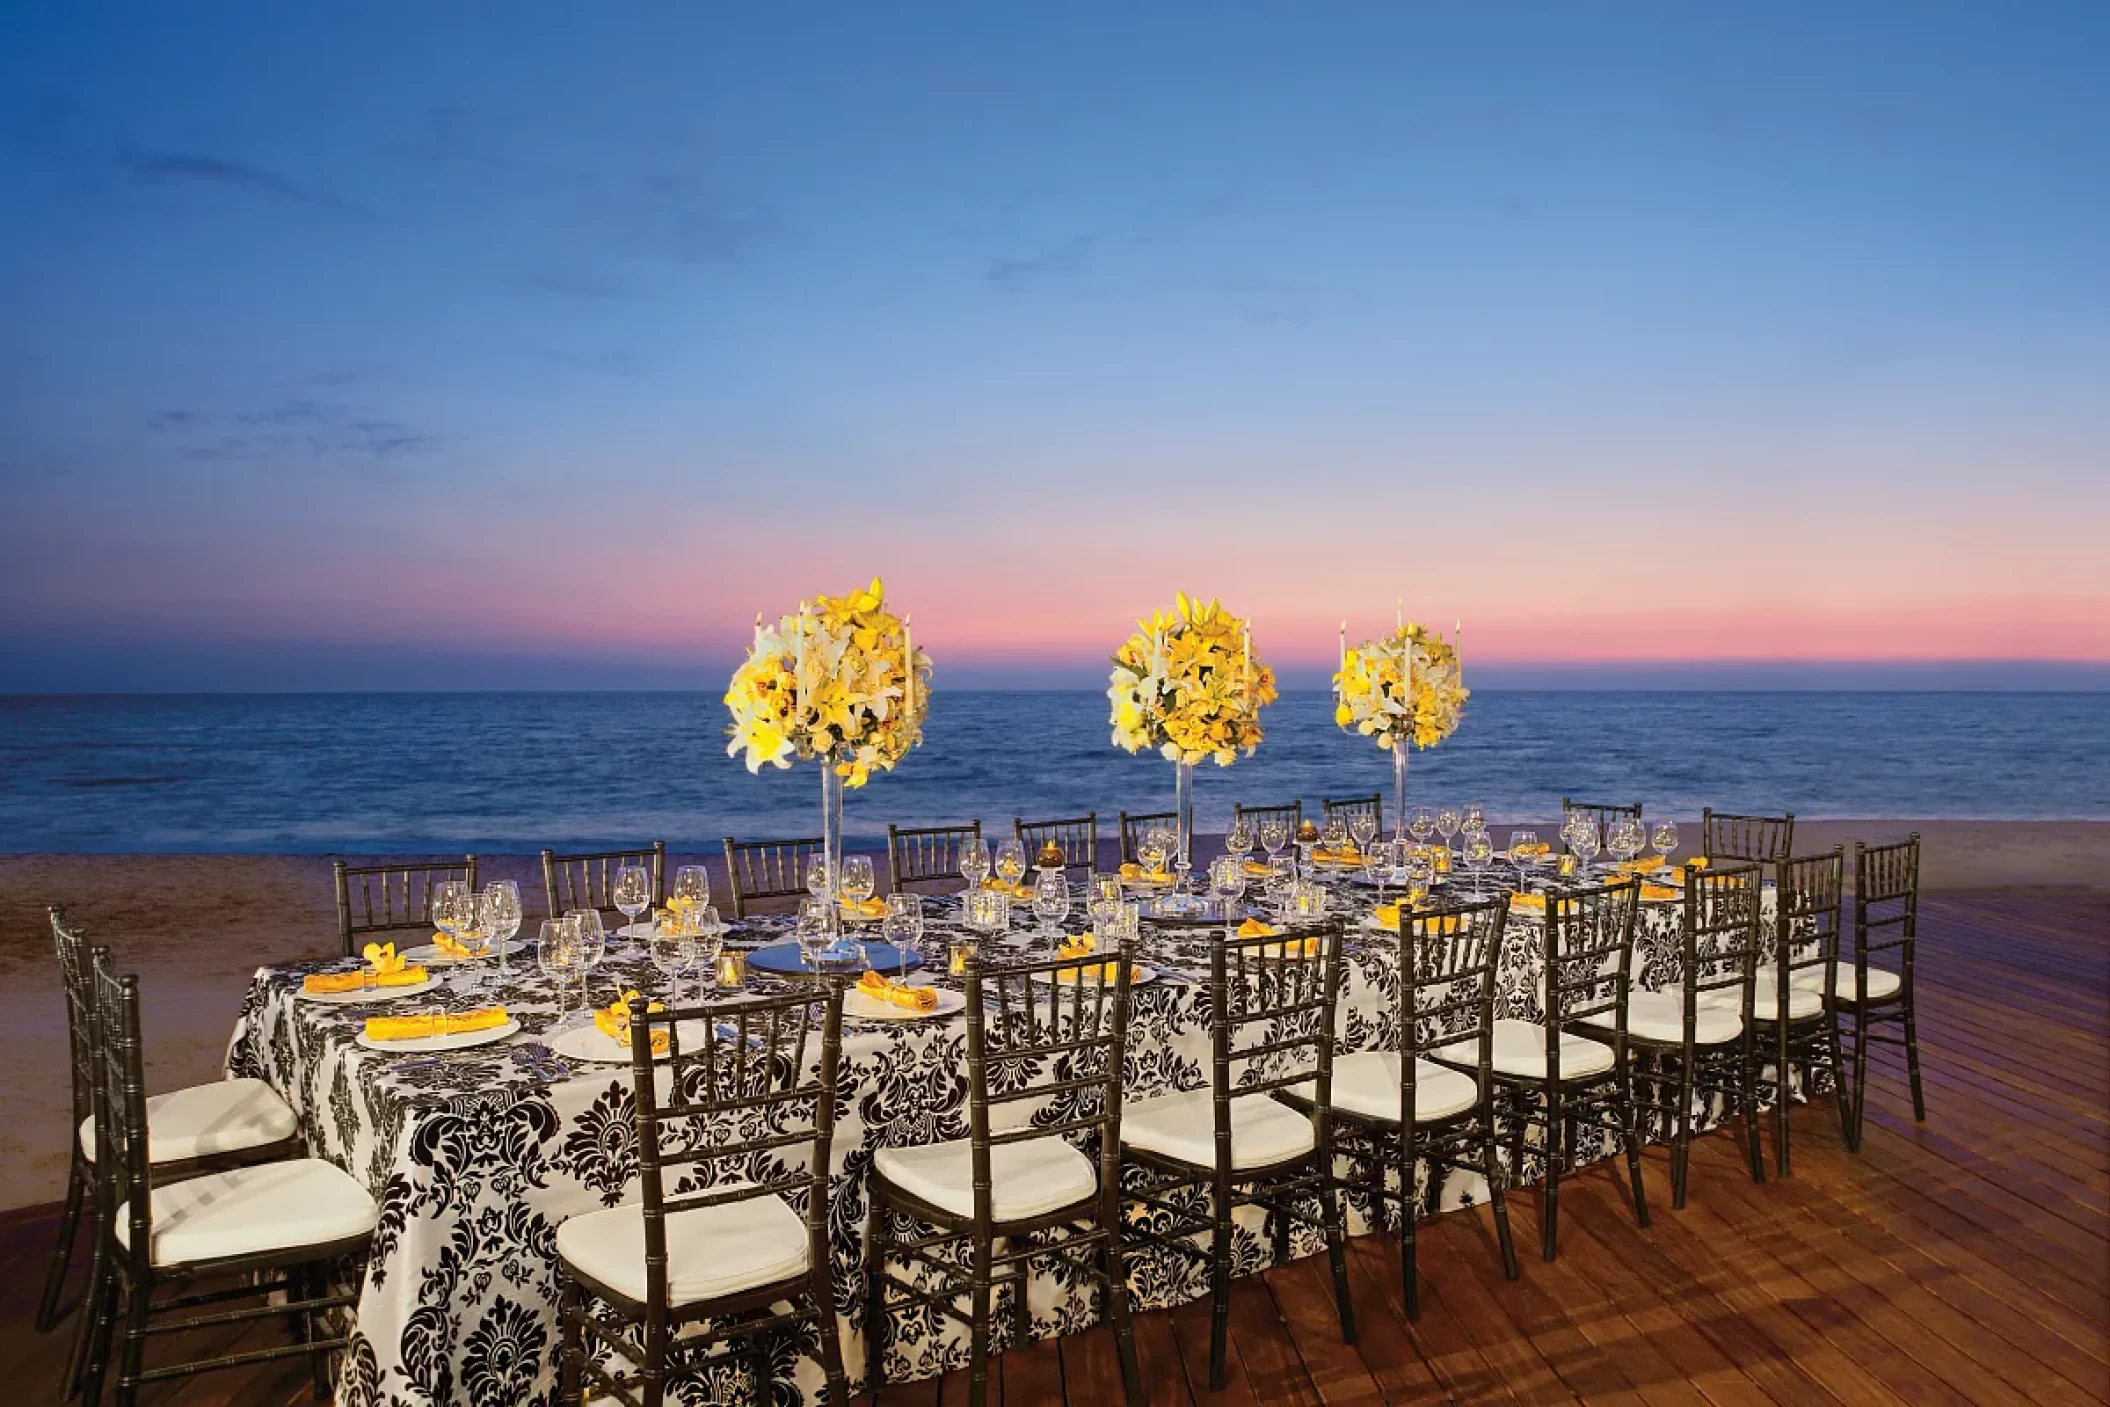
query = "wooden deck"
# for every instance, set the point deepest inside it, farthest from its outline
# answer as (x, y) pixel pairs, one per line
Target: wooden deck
(1964, 1261)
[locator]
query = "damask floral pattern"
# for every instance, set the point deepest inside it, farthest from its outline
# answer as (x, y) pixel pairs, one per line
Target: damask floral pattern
(477, 1157)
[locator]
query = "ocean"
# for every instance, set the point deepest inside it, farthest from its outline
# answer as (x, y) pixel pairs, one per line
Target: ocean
(510, 773)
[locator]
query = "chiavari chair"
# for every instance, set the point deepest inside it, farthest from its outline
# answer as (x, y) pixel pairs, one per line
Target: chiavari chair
(279, 1225)
(1291, 814)
(739, 1116)
(1395, 1109)
(1020, 1174)
(767, 869)
(1886, 927)
(391, 898)
(1133, 826)
(1204, 1153)
(1077, 837)
(1698, 1035)
(588, 881)
(1726, 836)
(1797, 964)
(1601, 813)
(224, 1124)
(923, 853)
(1345, 806)
(1569, 1072)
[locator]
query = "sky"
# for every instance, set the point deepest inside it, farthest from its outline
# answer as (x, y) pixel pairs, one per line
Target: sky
(525, 345)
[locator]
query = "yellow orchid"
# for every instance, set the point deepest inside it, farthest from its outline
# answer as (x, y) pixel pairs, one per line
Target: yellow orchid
(1185, 685)
(1370, 688)
(382, 958)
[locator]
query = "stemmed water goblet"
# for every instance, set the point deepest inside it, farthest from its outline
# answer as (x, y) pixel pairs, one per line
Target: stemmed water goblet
(453, 912)
(857, 882)
(1448, 820)
(672, 948)
(903, 927)
(1626, 838)
(1051, 901)
(974, 862)
(1010, 863)
(1422, 824)
(1238, 840)
(1227, 882)
(1362, 829)
(632, 891)
(1274, 834)
(710, 941)
(557, 954)
(693, 883)
(1664, 839)
(1333, 836)
(818, 879)
(1154, 848)
(1377, 863)
(1418, 872)
(1479, 851)
(1582, 838)
(813, 930)
(1524, 854)
(593, 943)
(1473, 817)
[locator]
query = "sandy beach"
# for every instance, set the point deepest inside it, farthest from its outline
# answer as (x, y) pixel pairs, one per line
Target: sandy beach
(196, 928)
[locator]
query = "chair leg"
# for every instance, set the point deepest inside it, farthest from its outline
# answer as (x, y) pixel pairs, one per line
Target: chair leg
(1780, 1103)
(978, 1366)
(876, 1225)
(99, 1312)
(1497, 1193)
(1550, 1177)
(1747, 1097)
(99, 1274)
(821, 1287)
(317, 1279)
(1681, 1138)
(1630, 1135)
(1912, 1064)
(571, 1366)
(1860, 1072)
(757, 1366)
(62, 1251)
(1337, 1242)
(1838, 1073)
(1021, 1310)
(1113, 1264)
(1219, 1282)
(133, 1357)
(1409, 1274)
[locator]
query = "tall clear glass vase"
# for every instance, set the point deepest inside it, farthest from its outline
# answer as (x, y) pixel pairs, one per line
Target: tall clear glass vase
(1183, 805)
(1400, 749)
(832, 838)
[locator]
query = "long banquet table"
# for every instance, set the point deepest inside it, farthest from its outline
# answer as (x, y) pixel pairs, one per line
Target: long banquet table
(476, 1156)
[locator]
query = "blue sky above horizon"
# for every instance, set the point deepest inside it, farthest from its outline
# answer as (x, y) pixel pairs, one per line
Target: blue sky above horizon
(532, 342)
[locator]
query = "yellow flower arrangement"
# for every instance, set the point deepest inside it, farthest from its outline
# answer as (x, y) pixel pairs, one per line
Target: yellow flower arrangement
(840, 679)
(1187, 685)
(1370, 688)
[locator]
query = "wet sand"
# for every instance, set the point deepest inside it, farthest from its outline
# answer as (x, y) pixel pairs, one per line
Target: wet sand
(196, 927)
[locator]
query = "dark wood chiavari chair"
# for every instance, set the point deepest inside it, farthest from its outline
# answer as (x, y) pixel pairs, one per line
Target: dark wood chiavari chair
(767, 869)
(1699, 1035)
(1796, 966)
(734, 1247)
(923, 853)
(1291, 815)
(1271, 1014)
(1886, 926)
(1134, 824)
(1725, 836)
(1346, 806)
(1022, 1180)
(588, 881)
(224, 1124)
(279, 1224)
(1601, 814)
(1570, 1072)
(1395, 1109)
(391, 898)
(1077, 837)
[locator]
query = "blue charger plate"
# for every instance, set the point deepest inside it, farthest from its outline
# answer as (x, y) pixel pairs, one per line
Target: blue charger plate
(784, 960)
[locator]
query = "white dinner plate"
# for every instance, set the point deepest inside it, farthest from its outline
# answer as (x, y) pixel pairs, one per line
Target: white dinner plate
(642, 931)
(1137, 975)
(430, 956)
(365, 994)
(458, 1040)
(870, 1008)
(587, 1041)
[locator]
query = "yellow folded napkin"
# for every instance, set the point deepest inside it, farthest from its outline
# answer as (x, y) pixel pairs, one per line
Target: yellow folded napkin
(324, 984)
(1653, 893)
(1254, 928)
(1346, 855)
(1255, 867)
(1083, 945)
(449, 947)
(1697, 862)
(1137, 873)
(1642, 864)
(1520, 902)
(1016, 891)
(1099, 972)
(1295, 947)
(614, 1023)
(382, 963)
(899, 994)
(436, 1023)
(1387, 916)
(874, 907)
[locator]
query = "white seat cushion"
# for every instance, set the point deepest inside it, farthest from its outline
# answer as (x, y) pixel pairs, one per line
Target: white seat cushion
(1367, 1084)
(205, 1119)
(247, 1211)
(1520, 1050)
(1881, 982)
(1804, 1002)
(1660, 1016)
(1026, 1179)
(1183, 1126)
(711, 1251)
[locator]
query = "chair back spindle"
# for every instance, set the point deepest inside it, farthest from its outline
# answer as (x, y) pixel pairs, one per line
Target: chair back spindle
(1727, 836)
(588, 881)
(767, 869)
(915, 854)
(391, 898)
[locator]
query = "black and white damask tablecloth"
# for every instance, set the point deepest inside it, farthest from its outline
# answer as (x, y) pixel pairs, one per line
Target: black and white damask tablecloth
(477, 1156)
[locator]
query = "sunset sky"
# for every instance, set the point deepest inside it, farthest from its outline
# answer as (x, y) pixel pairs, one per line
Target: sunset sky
(545, 345)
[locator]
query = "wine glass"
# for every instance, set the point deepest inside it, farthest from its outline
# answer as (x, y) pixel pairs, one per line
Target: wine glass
(672, 947)
(1362, 828)
(1422, 824)
(693, 883)
(1010, 862)
(451, 908)
(1448, 820)
(903, 927)
(817, 876)
(1051, 899)
(1524, 854)
(1281, 873)
(632, 893)
(857, 882)
(593, 943)
(503, 898)
(1419, 872)
(710, 941)
(1626, 838)
(1227, 881)
(1473, 818)
(1479, 851)
(1238, 840)
(557, 954)
(813, 930)
(1274, 834)
(1334, 837)
(1665, 838)
(974, 862)
(1583, 840)
(1102, 888)
(1377, 863)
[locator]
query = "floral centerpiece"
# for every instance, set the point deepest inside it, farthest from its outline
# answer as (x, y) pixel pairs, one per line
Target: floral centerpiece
(1401, 690)
(840, 682)
(1186, 686)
